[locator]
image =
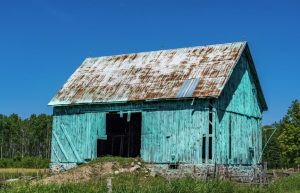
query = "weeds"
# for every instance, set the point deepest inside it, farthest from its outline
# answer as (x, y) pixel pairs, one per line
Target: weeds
(121, 160)
(54, 188)
(10, 173)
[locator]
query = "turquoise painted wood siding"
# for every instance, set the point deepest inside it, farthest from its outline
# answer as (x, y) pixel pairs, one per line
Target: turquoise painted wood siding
(238, 128)
(174, 136)
(75, 136)
(171, 130)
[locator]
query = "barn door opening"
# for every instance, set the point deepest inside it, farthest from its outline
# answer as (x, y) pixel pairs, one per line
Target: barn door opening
(123, 135)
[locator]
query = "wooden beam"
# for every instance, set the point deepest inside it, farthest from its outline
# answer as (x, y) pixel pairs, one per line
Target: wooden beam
(61, 146)
(71, 143)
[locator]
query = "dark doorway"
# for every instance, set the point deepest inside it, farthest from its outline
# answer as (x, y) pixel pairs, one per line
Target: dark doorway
(123, 135)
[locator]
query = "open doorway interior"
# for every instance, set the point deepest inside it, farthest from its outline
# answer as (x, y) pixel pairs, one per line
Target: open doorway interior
(123, 135)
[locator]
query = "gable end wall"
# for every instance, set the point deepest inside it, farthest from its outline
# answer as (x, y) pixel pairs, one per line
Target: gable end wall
(238, 124)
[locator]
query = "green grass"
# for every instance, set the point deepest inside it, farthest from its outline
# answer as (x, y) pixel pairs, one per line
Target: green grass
(139, 183)
(136, 183)
(53, 188)
(120, 160)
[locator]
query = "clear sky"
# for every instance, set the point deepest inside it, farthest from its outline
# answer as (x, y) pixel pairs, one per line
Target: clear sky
(42, 42)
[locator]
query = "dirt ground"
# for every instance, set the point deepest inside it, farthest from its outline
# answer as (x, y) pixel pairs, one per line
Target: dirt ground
(92, 172)
(80, 174)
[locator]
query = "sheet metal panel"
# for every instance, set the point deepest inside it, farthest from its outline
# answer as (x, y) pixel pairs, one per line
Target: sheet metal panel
(151, 75)
(187, 89)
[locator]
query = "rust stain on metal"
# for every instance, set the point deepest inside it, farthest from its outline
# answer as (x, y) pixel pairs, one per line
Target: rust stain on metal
(151, 75)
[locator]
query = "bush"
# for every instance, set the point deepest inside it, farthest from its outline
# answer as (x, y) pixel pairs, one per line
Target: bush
(25, 162)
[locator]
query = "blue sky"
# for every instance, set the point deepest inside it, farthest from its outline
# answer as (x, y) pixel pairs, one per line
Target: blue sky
(42, 42)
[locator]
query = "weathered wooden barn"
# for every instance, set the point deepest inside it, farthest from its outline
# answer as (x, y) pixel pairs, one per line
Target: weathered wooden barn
(195, 106)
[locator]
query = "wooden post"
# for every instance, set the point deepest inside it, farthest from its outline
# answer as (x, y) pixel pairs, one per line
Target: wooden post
(274, 174)
(109, 185)
(265, 166)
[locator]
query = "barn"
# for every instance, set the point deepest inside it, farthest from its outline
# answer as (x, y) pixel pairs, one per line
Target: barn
(196, 106)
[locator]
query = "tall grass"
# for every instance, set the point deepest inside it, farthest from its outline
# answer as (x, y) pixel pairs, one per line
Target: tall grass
(10, 173)
(53, 188)
(126, 183)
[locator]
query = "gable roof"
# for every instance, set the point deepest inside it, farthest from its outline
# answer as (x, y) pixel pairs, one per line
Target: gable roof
(200, 72)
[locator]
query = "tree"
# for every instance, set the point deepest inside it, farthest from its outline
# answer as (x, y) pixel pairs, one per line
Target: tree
(289, 138)
(29, 137)
(272, 153)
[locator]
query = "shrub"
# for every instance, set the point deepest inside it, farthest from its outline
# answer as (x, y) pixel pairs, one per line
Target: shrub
(25, 162)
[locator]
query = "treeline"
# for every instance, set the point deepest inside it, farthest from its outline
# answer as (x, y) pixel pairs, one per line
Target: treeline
(20, 138)
(283, 148)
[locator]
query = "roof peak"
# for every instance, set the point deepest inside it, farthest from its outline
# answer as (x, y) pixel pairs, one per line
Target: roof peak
(171, 49)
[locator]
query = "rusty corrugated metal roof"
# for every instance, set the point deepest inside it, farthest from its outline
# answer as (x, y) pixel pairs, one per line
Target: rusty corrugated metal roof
(177, 73)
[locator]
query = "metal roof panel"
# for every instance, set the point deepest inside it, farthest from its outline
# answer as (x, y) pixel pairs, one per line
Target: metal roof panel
(151, 75)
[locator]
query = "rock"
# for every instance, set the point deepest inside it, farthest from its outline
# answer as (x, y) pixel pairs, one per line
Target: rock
(139, 163)
(27, 178)
(122, 170)
(134, 168)
(56, 168)
(132, 164)
(12, 180)
(117, 172)
(152, 173)
(291, 170)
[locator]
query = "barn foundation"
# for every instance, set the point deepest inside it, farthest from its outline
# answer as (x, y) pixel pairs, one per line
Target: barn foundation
(241, 173)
